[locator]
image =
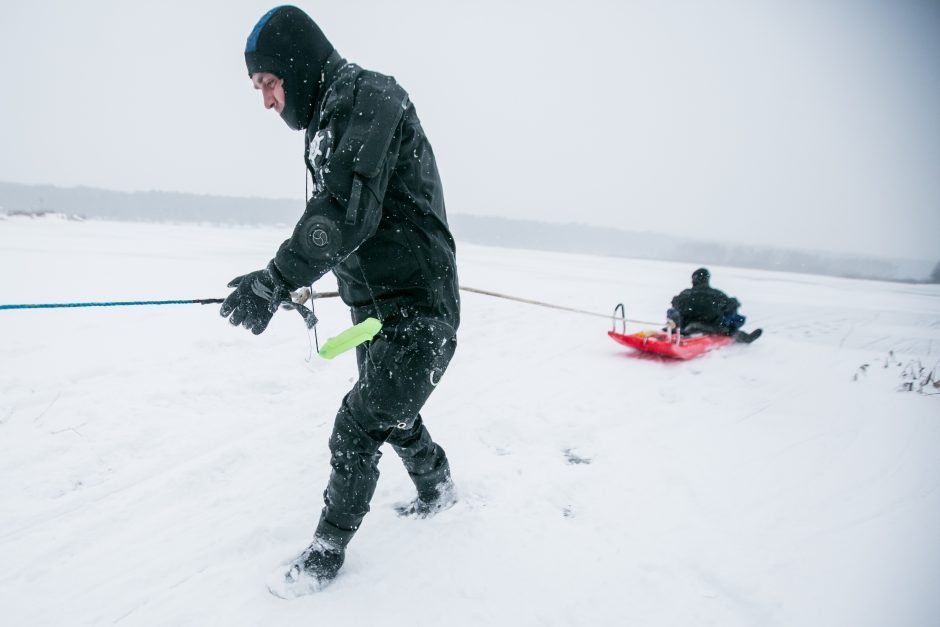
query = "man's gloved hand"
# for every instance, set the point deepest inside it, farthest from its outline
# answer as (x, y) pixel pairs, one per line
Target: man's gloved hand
(256, 297)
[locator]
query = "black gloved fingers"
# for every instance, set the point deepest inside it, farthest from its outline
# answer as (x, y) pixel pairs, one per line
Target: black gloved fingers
(236, 281)
(260, 324)
(258, 317)
(229, 305)
(239, 315)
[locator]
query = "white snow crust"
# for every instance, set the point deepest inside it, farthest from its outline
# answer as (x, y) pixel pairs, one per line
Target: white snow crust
(156, 463)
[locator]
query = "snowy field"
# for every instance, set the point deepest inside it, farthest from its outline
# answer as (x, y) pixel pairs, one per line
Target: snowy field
(156, 463)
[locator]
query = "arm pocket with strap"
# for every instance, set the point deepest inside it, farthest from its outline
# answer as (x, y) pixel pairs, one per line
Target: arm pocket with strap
(359, 166)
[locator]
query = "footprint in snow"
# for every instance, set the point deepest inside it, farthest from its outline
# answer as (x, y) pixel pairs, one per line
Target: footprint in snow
(575, 459)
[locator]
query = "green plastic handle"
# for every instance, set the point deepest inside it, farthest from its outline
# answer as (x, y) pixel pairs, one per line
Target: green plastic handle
(350, 338)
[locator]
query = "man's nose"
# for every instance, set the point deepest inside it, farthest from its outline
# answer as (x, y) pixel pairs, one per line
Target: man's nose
(269, 101)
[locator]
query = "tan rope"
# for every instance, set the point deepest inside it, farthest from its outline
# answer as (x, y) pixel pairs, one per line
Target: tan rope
(528, 301)
(551, 306)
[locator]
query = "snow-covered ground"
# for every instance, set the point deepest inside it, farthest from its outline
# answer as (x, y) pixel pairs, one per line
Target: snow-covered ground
(156, 463)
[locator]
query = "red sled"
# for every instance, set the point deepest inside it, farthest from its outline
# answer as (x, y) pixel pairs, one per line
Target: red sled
(665, 344)
(661, 343)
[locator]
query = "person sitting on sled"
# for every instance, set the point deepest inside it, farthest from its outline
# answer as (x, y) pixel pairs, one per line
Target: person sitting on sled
(704, 309)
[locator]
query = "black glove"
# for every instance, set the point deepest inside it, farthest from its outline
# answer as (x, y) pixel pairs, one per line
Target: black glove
(256, 297)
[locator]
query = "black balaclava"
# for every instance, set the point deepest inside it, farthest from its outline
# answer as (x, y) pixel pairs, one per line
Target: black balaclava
(287, 43)
(700, 277)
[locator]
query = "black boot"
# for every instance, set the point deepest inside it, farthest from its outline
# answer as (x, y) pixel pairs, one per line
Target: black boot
(321, 560)
(431, 501)
(316, 567)
(746, 338)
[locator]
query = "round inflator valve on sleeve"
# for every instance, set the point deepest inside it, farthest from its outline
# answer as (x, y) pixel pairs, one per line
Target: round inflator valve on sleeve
(320, 237)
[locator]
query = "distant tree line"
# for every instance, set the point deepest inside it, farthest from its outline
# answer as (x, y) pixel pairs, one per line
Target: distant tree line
(487, 230)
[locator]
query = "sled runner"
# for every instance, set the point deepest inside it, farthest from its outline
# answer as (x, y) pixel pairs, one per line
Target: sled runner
(671, 345)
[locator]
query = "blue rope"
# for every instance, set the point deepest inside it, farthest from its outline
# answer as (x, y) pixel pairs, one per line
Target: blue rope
(198, 301)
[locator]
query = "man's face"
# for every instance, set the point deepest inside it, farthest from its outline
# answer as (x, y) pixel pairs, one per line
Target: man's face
(272, 90)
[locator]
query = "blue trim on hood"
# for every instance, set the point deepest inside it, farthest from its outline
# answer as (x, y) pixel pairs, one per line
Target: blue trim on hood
(252, 44)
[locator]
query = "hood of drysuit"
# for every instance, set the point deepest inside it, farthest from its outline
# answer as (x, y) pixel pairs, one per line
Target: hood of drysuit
(287, 43)
(701, 277)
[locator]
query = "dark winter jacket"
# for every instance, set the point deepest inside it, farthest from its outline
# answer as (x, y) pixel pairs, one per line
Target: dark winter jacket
(704, 305)
(376, 217)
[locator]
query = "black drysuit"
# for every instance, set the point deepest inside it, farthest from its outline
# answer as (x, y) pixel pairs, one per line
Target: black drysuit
(704, 309)
(377, 220)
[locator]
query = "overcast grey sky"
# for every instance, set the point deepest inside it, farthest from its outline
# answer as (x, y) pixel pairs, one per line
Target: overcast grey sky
(800, 123)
